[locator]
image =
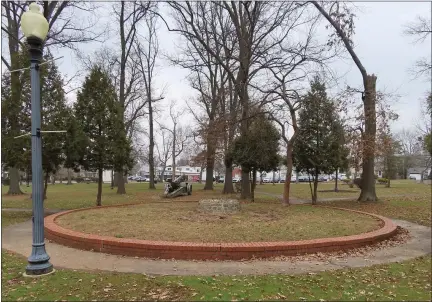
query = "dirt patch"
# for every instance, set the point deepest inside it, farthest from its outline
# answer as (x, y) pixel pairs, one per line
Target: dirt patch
(180, 221)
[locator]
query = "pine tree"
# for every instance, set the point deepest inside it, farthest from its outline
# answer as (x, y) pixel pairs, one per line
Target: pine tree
(318, 148)
(17, 152)
(15, 121)
(99, 116)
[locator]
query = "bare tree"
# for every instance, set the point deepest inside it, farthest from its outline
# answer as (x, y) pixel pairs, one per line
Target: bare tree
(67, 28)
(254, 24)
(178, 133)
(164, 151)
(147, 53)
(341, 19)
(207, 76)
(420, 30)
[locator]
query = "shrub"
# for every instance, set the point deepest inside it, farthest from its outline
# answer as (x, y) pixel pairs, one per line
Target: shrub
(357, 182)
(382, 181)
(79, 179)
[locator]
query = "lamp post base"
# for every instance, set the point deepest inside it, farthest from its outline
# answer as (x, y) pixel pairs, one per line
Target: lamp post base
(39, 275)
(38, 262)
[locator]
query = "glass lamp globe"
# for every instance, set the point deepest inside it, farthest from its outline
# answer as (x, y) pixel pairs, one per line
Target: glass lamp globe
(34, 24)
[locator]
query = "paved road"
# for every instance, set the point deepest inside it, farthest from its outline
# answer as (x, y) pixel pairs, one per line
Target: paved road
(17, 238)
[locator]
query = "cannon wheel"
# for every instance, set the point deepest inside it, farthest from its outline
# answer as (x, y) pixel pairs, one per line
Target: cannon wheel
(189, 190)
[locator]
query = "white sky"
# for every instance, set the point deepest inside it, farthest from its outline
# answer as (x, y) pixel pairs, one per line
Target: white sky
(379, 41)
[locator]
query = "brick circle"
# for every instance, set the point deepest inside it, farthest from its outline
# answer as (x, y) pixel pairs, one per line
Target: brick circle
(209, 251)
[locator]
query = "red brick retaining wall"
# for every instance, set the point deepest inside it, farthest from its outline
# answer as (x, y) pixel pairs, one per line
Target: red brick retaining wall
(209, 251)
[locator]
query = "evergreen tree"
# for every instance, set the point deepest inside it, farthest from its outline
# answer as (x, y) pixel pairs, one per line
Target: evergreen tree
(318, 148)
(74, 146)
(54, 113)
(17, 152)
(258, 150)
(99, 116)
(15, 121)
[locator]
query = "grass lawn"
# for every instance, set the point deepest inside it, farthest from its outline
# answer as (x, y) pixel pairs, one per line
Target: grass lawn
(302, 190)
(9, 218)
(409, 281)
(61, 196)
(183, 222)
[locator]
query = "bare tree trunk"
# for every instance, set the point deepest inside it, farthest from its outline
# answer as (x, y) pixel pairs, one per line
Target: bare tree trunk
(210, 155)
(116, 179)
(336, 181)
(45, 186)
(368, 192)
(315, 190)
(121, 188)
(53, 179)
(228, 185)
(69, 177)
(14, 187)
(245, 185)
(151, 147)
(254, 173)
(99, 193)
(273, 180)
(287, 184)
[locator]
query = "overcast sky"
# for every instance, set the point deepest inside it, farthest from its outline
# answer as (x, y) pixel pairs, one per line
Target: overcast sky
(379, 42)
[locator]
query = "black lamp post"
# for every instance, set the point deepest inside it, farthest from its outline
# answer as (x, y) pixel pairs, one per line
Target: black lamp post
(35, 29)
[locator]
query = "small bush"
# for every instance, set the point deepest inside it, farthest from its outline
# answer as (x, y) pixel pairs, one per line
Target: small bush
(382, 181)
(79, 179)
(357, 182)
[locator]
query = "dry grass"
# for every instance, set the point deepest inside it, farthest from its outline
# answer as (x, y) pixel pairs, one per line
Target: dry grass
(183, 222)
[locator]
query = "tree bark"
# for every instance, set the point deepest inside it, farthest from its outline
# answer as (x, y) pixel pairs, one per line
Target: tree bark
(99, 193)
(287, 184)
(245, 185)
(45, 186)
(121, 188)
(151, 147)
(336, 181)
(116, 179)
(69, 177)
(315, 189)
(228, 185)
(254, 173)
(368, 192)
(210, 154)
(53, 179)
(14, 187)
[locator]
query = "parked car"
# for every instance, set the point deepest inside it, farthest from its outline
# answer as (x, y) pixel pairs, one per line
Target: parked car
(282, 180)
(303, 178)
(236, 179)
(220, 180)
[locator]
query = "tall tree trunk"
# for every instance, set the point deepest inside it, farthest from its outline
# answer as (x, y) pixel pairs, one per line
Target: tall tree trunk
(46, 186)
(14, 187)
(210, 155)
(273, 180)
(53, 179)
(228, 185)
(116, 179)
(336, 181)
(245, 185)
(368, 192)
(69, 177)
(121, 188)
(315, 189)
(112, 179)
(254, 174)
(287, 184)
(151, 146)
(99, 193)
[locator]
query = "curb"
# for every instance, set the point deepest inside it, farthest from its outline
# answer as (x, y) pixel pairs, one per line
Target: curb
(209, 251)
